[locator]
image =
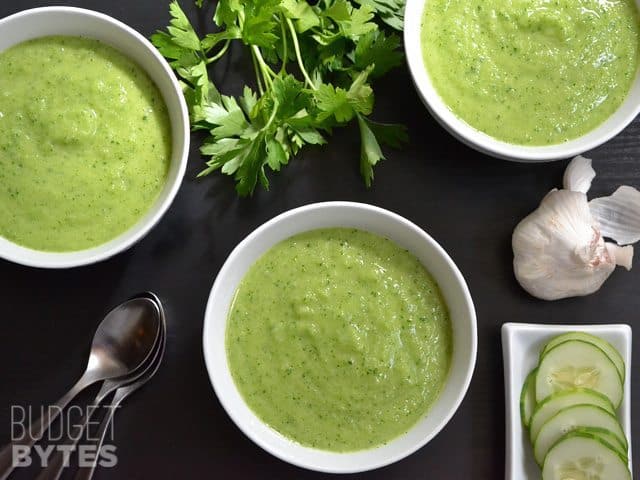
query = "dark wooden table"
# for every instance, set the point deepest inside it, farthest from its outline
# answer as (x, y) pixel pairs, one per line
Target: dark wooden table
(175, 427)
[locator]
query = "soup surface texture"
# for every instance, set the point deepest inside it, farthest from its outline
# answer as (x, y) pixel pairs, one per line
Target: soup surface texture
(532, 72)
(85, 143)
(339, 339)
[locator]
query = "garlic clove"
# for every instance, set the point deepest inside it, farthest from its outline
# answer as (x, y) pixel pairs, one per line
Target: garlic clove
(579, 175)
(559, 251)
(622, 256)
(619, 215)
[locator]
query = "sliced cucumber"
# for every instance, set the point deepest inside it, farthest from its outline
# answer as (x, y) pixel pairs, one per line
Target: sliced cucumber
(580, 455)
(569, 419)
(528, 398)
(608, 437)
(578, 364)
(603, 345)
(556, 402)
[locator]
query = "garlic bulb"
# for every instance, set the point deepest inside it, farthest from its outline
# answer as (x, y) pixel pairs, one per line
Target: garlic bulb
(559, 249)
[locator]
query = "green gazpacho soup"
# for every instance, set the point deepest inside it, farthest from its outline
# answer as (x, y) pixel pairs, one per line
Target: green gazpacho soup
(532, 72)
(85, 143)
(339, 339)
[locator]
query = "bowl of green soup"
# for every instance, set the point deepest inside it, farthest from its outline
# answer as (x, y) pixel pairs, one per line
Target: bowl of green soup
(527, 80)
(340, 337)
(94, 137)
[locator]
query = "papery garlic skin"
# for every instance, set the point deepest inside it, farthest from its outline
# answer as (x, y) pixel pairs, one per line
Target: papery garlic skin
(619, 215)
(559, 251)
(579, 175)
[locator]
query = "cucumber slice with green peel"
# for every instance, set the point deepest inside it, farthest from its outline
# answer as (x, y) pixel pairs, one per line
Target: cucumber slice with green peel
(567, 398)
(603, 345)
(568, 419)
(581, 455)
(578, 364)
(608, 437)
(528, 398)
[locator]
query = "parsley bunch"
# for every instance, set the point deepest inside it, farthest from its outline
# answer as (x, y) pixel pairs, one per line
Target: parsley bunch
(313, 65)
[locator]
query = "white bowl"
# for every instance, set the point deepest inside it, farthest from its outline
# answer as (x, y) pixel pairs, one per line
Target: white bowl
(403, 233)
(485, 143)
(521, 345)
(40, 22)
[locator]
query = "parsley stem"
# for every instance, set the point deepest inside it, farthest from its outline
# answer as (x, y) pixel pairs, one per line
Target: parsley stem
(285, 46)
(264, 68)
(257, 70)
(221, 53)
(261, 68)
(296, 47)
(272, 116)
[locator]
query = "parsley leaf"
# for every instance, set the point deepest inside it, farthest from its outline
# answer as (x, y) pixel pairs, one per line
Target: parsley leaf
(390, 12)
(370, 152)
(380, 50)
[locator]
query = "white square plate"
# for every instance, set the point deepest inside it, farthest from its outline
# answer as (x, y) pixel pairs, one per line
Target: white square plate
(521, 345)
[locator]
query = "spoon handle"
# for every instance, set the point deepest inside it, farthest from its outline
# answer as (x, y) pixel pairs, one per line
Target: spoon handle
(86, 472)
(60, 458)
(19, 448)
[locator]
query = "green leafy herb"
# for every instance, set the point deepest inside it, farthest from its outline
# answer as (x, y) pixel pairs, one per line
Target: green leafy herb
(313, 66)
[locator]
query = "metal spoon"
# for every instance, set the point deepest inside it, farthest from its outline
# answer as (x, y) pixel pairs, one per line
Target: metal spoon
(85, 473)
(60, 459)
(123, 341)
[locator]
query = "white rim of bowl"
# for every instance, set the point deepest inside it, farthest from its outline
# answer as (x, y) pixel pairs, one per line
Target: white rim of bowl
(284, 455)
(473, 137)
(62, 260)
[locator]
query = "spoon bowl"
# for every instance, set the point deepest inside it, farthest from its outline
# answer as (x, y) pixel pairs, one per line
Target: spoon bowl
(125, 338)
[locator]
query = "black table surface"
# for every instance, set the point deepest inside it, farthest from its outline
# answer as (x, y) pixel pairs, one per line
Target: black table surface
(175, 427)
